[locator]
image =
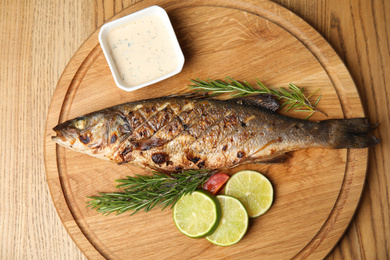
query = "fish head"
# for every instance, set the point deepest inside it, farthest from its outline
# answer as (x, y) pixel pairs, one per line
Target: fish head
(95, 134)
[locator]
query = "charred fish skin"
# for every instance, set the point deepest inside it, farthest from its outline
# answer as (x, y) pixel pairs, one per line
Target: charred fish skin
(173, 134)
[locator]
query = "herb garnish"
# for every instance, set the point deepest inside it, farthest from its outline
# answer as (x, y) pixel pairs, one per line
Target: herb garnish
(294, 98)
(146, 192)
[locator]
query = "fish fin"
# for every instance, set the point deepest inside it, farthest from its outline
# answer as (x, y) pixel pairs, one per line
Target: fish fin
(280, 158)
(351, 133)
(261, 100)
(194, 95)
(121, 163)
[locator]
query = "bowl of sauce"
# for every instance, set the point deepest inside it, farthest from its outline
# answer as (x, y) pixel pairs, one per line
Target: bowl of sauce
(141, 48)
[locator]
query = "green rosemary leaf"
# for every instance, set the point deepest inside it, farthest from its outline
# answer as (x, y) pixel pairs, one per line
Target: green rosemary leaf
(247, 85)
(285, 104)
(318, 100)
(294, 88)
(315, 92)
(305, 110)
(309, 116)
(293, 96)
(146, 192)
(292, 105)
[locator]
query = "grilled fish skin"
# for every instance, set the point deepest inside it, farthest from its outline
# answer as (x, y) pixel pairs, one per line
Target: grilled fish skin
(174, 134)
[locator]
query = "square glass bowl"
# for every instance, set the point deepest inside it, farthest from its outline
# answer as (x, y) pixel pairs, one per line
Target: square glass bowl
(141, 48)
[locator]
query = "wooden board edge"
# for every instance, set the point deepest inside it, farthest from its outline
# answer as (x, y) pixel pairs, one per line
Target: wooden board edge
(53, 178)
(332, 231)
(340, 217)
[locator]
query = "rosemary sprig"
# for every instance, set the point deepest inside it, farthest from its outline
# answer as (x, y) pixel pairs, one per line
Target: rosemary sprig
(293, 98)
(146, 192)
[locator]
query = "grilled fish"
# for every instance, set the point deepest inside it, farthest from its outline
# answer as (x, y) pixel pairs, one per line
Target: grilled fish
(174, 134)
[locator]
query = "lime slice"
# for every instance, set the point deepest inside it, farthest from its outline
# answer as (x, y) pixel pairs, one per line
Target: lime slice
(253, 189)
(197, 214)
(234, 222)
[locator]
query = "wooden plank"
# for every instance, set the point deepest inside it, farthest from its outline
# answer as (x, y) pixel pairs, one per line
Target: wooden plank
(40, 37)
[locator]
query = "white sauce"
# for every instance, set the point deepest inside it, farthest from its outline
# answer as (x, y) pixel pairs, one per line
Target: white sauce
(142, 50)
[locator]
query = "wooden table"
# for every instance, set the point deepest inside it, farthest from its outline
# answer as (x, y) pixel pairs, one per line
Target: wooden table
(37, 40)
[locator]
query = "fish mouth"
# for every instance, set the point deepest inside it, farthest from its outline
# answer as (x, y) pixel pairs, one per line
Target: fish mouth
(60, 141)
(59, 138)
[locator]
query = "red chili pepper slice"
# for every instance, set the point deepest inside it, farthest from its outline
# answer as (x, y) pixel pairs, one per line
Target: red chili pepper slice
(216, 182)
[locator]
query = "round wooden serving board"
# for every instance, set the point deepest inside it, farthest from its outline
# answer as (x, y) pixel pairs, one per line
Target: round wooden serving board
(316, 190)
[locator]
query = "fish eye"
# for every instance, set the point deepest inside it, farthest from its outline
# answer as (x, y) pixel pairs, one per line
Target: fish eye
(80, 123)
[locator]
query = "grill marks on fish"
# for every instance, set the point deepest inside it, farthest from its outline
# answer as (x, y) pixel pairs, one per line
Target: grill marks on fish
(161, 127)
(202, 136)
(138, 120)
(212, 137)
(230, 125)
(196, 129)
(132, 120)
(203, 132)
(188, 120)
(113, 139)
(85, 139)
(160, 158)
(206, 130)
(162, 136)
(153, 126)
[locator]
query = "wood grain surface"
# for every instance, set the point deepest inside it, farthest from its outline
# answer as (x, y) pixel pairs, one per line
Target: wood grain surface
(38, 39)
(319, 189)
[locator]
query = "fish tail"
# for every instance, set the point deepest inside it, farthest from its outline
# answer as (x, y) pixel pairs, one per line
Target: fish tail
(351, 133)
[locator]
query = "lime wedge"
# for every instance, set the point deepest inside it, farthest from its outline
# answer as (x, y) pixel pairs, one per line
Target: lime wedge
(234, 222)
(253, 189)
(197, 214)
